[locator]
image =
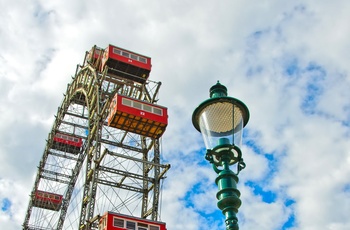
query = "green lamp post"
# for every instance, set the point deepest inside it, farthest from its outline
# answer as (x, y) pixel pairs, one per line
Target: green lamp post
(221, 119)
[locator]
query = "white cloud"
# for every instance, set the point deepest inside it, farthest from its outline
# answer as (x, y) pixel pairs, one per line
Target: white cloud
(262, 51)
(12, 215)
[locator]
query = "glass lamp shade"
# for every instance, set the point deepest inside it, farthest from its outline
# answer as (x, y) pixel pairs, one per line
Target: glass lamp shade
(221, 121)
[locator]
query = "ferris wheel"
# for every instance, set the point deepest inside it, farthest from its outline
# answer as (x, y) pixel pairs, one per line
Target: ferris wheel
(103, 155)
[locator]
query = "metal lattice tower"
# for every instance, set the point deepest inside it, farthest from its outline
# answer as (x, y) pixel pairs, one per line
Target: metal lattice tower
(113, 170)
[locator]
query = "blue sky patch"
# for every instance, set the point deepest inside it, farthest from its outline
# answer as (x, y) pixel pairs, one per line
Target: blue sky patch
(314, 88)
(272, 161)
(291, 219)
(290, 222)
(311, 98)
(313, 74)
(292, 67)
(254, 70)
(267, 196)
(190, 195)
(5, 204)
(289, 202)
(253, 145)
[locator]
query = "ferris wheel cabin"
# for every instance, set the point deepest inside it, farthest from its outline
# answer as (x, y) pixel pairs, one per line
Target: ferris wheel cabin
(95, 56)
(67, 143)
(116, 221)
(47, 200)
(126, 64)
(137, 116)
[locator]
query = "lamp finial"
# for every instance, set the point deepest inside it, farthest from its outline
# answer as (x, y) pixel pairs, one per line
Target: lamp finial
(218, 90)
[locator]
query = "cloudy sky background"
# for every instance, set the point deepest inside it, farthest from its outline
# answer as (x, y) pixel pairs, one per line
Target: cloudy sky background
(288, 61)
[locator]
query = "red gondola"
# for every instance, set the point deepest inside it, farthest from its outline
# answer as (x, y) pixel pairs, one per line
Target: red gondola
(126, 64)
(95, 56)
(137, 116)
(47, 200)
(67, 143)
(116, 221)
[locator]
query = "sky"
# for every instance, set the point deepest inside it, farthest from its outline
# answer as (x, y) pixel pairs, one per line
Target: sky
(286, 60)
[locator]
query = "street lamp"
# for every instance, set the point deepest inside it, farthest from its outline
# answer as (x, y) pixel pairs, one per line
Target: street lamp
(221, 119)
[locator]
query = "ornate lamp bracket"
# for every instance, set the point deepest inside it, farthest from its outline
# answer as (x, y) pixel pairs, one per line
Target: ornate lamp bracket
(216, 159)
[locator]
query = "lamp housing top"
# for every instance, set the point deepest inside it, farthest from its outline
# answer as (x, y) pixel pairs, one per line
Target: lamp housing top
(220, 118)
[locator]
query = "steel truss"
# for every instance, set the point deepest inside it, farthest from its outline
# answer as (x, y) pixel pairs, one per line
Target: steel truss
(115, 170)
